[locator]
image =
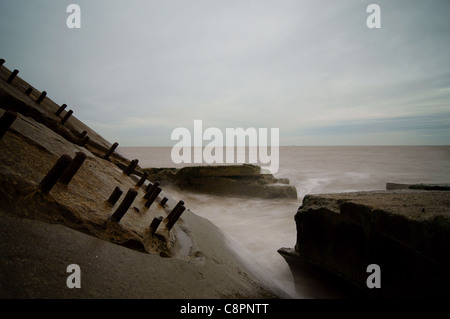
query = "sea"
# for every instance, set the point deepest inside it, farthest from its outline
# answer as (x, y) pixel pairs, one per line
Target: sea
(260, 227)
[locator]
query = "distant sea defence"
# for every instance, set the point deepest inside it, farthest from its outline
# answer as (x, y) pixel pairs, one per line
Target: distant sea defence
(323, 169)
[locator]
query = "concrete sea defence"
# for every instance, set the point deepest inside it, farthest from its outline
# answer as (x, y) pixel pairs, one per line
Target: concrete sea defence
(406, 232)
(245, 180)
(68, 197)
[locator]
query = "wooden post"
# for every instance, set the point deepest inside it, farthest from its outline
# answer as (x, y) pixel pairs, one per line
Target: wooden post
(55, 173)
(84, 141)
(152, 197)
(61, 108)
(110, 151)
(115, 195)
(155, 224)
(73, 168)
(142, 180)
(66, 117)
(12, 76)
(41, 97)
(177, 206)
(83, 134)
(163, 201)
(127, 171)
(6, 121)
(175, 217)
(150, 185)
(149, 190)
(123, 207)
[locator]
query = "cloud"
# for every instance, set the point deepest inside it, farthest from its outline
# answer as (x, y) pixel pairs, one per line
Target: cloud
(306, 67)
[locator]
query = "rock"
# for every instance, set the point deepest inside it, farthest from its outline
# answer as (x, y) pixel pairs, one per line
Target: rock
(239, 180)
(405, 232)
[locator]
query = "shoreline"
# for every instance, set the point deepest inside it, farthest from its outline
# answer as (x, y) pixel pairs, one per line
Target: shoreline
(73, 223)
(76, 215)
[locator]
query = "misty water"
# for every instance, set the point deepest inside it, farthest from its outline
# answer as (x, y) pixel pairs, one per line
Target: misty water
(262, 226)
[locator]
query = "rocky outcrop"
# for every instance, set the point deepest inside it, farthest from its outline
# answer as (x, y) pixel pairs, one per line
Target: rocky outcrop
(405, 232)
(245, 179)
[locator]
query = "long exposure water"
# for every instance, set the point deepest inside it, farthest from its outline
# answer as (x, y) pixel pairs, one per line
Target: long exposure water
(262, 226)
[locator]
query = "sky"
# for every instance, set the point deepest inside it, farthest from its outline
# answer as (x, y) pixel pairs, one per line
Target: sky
(137, 70)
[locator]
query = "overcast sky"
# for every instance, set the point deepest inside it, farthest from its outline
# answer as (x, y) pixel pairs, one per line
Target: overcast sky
(136, 70)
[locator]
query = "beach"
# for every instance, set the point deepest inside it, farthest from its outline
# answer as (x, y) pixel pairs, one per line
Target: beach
(220, 247)
(72, 223)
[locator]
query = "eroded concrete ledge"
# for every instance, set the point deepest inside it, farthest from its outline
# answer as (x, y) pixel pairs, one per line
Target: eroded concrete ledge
(405, 232)
(244, 179)
(427, 187)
